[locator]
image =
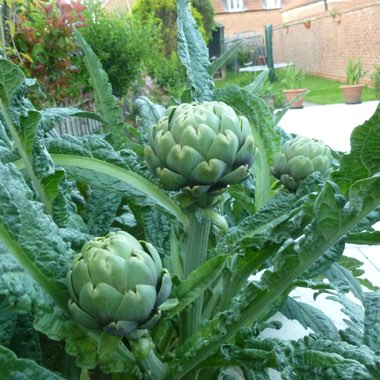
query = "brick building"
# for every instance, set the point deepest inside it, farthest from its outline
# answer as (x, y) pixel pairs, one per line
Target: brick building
(241, 16)
(338, 30)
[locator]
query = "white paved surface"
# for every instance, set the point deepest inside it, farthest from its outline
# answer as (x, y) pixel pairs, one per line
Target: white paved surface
(333, 124)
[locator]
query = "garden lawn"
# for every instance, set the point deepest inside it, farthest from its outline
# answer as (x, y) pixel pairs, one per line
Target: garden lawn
(327, 91)
(322, 91)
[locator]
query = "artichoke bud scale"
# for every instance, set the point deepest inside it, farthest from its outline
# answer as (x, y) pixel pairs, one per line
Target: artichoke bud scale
(300, 167)
(171, 180)
(224, 147)
(208, 172)
(183, 159)
(124, 301)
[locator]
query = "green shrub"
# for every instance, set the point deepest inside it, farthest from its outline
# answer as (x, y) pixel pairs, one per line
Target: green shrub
(375, 79)
(244, 56)
(164, 15)
(117, 41)
(40, 42)
(168, 72)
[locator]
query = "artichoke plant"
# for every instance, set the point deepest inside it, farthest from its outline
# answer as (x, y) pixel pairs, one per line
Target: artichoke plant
(200, 148)
(116, 285)
(299, 158)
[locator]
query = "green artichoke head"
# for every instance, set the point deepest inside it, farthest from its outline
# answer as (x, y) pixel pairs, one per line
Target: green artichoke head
(117, 284)
(200, 148)
(299, 157)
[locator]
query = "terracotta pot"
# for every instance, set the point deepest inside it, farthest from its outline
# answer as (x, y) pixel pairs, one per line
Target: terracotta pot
(261, 60)
(291, 94)
(352, 93)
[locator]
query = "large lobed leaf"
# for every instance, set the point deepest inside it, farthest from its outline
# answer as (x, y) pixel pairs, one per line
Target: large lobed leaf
(193, 53)
(105, 103)
(11, 78)
(372, 321)
(311, 317)
(149, 113)
(31, 237)
(13, 368)
(332, 219)
(364, 158)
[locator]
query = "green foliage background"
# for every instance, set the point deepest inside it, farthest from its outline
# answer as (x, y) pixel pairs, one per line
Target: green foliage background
(116, 39)
(56, 192)
(164, 14)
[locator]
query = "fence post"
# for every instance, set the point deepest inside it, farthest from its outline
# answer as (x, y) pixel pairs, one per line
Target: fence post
(269, 50)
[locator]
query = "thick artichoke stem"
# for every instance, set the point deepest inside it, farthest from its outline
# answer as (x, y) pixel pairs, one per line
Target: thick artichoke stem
(196, 255)
(153, 367)
(197, 240)
(148, 361)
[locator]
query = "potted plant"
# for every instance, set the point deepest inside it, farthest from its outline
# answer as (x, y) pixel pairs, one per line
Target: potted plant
(352, 91)
(307, 24)
(293, 82)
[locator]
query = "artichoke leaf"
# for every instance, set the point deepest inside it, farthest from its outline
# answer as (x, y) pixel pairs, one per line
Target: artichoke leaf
(151, 320)
(104, 268)
(136, 306)
(224, 147)
(245, 156)
(199, 138)
(155, 256)
(170, 180)
(165, 289)
(139, 271)
(183, 159)
(321, 164)
(196, 191)
(120, 328)
(281, 165)
(82, 317)
(164, 142)
(117, 243)
(77, 278)
(245, 129)
(100, 301)
(208, 172)
(230, 123)
(236, 176)
(300, 167)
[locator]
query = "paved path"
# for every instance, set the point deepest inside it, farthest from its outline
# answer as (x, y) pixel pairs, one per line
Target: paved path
(331, 123)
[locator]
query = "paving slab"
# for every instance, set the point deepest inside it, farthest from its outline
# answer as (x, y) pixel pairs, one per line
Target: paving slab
(331, 123)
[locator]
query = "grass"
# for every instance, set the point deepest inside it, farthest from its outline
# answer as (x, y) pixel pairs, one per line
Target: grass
(322, 91)
(326, 91)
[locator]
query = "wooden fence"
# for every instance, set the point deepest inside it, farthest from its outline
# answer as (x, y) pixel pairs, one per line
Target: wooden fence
(78, 126)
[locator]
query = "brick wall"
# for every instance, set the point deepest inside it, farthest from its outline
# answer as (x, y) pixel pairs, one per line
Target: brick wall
(326, 46)
(254, 21)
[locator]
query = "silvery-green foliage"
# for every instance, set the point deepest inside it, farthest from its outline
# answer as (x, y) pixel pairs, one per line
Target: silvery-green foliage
(51, 190)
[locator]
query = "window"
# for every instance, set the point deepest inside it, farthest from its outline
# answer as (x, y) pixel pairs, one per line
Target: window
(235, 5)
(272, 4)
